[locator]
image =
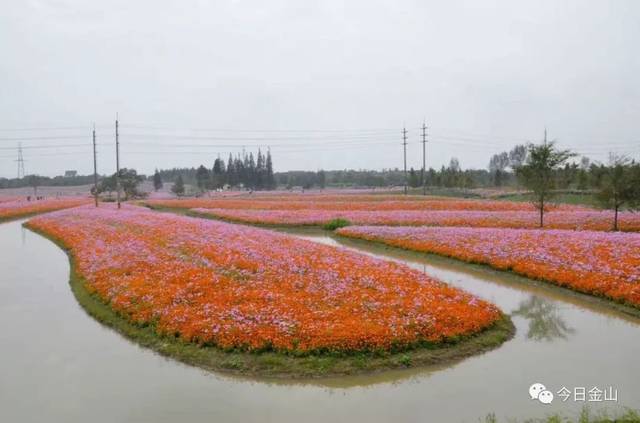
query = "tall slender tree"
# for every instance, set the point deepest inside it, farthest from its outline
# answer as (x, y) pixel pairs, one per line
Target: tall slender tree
(202, 178)
(218, 177)
(271, 180)
(232, 175)
(178, 186)
(157, 180)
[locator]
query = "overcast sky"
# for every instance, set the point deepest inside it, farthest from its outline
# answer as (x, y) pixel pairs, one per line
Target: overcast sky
(325, 84)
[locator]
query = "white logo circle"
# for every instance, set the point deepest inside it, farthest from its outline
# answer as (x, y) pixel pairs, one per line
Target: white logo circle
(535, 389)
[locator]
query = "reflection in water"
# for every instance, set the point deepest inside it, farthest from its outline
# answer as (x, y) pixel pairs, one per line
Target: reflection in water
(545, 323)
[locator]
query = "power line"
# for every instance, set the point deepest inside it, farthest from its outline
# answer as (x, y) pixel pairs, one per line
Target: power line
(36, 147)
(233, 130)
(50, 128)
(66, 137)
(263, 138)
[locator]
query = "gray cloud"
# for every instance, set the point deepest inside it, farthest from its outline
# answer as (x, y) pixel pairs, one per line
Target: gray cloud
(485, 75)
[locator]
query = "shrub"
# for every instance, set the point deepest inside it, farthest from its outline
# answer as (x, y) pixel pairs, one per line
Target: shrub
(334, 224)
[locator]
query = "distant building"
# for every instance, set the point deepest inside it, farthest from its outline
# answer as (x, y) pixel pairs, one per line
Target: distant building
(70, 173)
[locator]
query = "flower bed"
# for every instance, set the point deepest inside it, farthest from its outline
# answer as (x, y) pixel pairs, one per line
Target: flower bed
(598, 263)
(20, 208)
(244, 288)
(349, 203)
(580, 220)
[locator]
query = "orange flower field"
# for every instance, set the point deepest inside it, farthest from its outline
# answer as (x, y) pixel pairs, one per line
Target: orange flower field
(18, 208)
(599, 263)
(239, 287)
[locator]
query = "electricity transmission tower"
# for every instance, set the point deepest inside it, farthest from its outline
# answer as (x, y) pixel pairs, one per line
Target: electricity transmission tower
(404, 145)
(20, 161)
(117, 164)
(424, 158)
(95, 167)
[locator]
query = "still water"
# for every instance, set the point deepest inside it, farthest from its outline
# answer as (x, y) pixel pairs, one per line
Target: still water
(59, 365)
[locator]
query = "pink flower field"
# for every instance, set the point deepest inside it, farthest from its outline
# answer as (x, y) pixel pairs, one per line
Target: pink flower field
(17, 208)
(580, 220)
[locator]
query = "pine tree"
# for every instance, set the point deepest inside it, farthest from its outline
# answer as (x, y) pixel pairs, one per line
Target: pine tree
(414, 179)
(322, 179)
(240, 170)
(157, 180)
(232, 175)
(270, 179)
(259, 172)
(218, 177)
(178, 186)
(202, 178)
(252, 174)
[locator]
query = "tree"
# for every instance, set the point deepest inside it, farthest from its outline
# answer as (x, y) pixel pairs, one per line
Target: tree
(129, 180)
(517, 156)
(414, 179)
(202, 178)
(322, 179)
(537, 174)
(157, 180)
(218, 176)
(232, 174)
(583, 175)
(107, 184)
(271, 180)
(618, 187)
(260, 172)
(34, 182)
(178, 186)
(497, 166)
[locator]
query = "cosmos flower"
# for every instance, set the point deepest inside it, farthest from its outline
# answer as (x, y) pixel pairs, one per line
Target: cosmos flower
(240, 287)
(599, 263)
(15, 208)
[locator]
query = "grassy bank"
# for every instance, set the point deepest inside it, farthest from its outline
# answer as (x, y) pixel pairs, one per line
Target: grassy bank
(574, 198)
(286, 365)
(585, 416)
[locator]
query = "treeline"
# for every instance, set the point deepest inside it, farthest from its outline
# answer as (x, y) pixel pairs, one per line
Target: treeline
(242, 171)
(36, 180)
(580, 174)
(451, 176)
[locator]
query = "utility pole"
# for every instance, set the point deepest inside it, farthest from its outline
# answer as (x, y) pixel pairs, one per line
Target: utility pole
(117, 164)
(424, 158)
(95, 167)
(404, 145)
(20, 162)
